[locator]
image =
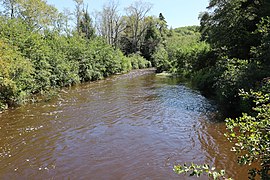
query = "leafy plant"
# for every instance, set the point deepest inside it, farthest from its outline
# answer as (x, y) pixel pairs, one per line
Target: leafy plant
(138, 62)
(198, 170)
(34, 62)
(251, 133)
(15, 75)
(161, 60)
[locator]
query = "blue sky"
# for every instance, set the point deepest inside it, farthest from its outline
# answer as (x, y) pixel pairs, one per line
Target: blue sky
(177, 13)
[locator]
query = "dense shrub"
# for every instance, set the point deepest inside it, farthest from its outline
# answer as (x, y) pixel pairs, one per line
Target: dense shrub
(205, 80)
(183, 53)
(236, 74)
(138, 62)
(161, 60)
(15, 75)
(193, 57)
(36, 61)
(250, 133)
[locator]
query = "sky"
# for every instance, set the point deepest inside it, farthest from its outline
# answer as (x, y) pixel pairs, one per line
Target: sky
(177, 13)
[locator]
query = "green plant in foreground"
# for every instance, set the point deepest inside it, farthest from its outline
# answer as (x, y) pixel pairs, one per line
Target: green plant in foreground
(198, 170)
(251, 133)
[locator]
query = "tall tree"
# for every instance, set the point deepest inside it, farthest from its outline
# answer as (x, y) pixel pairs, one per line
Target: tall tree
(36, 13)
(230, 25)
(9, 7)
(111, 23)
(162, 25)
(78, 13)
(62, 23)
(152, 38)
(86, 28)
(136, 14)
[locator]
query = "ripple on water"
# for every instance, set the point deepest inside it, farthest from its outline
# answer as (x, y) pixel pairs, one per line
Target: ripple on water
(133, 126)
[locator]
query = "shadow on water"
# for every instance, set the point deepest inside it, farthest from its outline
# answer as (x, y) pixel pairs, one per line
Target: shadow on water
(132, 126)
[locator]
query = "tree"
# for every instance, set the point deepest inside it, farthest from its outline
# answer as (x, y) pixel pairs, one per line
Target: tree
(152, 38)
(78, 13)
(262, 51)
(136, 14)
(84, 24)
(15, 75)
(229, 25)
(9, 7)
(36, 13)
(86, 28)
(111, 24)
(162, 25)
(62, 23)
(198, 170)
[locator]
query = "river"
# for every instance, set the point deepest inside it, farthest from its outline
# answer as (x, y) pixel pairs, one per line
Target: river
(132, 126)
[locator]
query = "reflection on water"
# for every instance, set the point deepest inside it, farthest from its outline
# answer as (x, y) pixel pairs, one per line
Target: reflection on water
(133, 126)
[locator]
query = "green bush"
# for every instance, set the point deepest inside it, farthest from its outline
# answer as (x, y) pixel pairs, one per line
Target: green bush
(251, 133)
(236, 74)
(125, 62)
(15, 76)
(205, 79)
(161, 60)
(38, 61)
(183, 53)
(138, 62)
(63, 71)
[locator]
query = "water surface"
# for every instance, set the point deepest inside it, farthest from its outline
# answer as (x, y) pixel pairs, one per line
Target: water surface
(132, 126)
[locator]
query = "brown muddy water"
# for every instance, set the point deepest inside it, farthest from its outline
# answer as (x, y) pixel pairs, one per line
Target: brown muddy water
(132, 126)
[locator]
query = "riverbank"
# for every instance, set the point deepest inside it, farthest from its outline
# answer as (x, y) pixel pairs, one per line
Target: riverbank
(49, 93)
